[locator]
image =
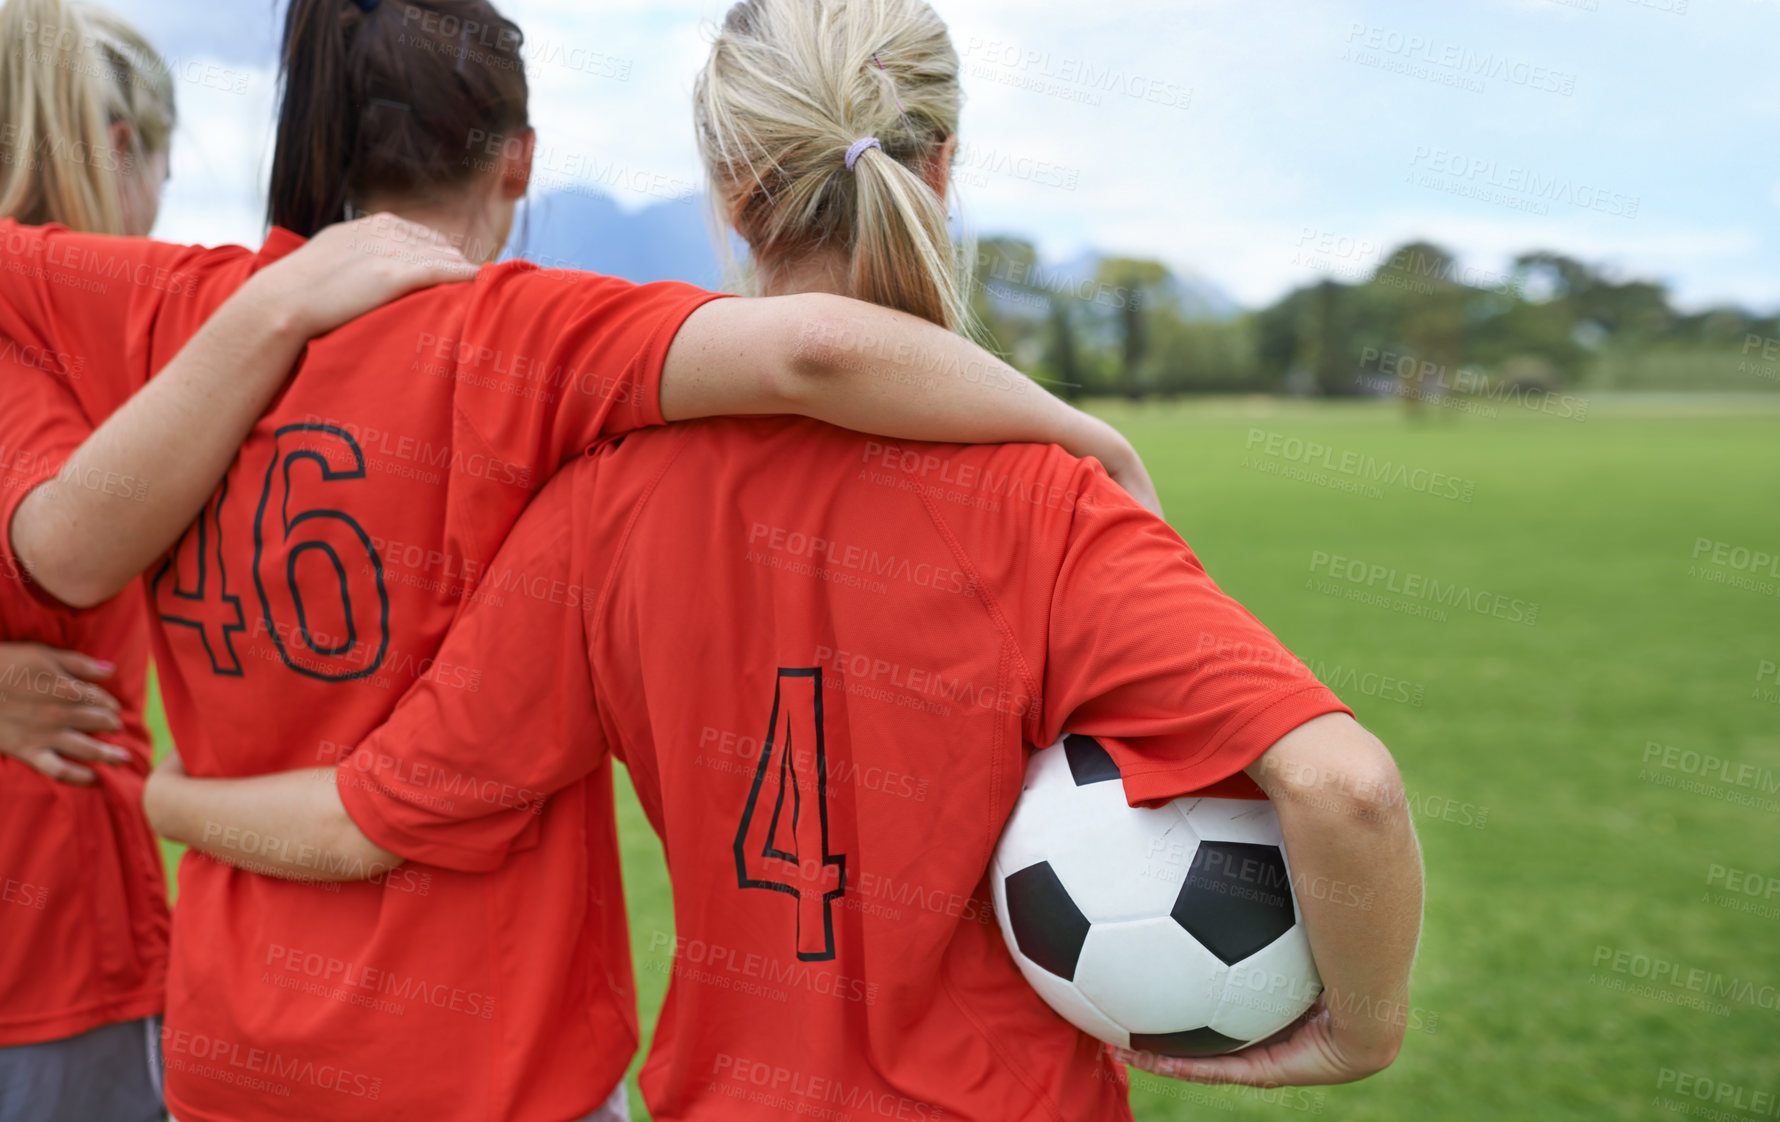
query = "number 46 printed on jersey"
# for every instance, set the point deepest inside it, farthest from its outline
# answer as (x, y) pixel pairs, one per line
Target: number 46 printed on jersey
(339, 631)
(782, 842)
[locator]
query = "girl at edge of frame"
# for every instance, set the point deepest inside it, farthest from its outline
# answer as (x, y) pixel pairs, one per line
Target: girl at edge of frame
(317, 37)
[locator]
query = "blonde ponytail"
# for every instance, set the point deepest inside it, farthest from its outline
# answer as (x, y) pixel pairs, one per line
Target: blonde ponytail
(68, 72)
(790, 88)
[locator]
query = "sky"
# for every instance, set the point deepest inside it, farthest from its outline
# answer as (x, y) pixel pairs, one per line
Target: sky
(1258, 146)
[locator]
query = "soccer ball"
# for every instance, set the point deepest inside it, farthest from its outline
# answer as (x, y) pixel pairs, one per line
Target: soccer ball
(1171, 930)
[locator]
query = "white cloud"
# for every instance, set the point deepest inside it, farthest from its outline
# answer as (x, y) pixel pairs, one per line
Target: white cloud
(222, 155)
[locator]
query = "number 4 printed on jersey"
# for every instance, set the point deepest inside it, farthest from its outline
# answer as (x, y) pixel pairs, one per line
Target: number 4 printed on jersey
(786, 815)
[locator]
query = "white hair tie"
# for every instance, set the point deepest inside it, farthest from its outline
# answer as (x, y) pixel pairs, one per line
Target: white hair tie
(858, 149)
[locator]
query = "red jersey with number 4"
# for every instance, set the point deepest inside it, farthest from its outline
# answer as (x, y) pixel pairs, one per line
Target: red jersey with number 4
(313, 590)
(822, 658)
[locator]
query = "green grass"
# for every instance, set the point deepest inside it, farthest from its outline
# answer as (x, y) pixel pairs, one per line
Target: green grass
(1534, 735)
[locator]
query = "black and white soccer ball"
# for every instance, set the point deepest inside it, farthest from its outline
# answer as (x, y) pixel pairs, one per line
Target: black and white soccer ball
(1171, 930)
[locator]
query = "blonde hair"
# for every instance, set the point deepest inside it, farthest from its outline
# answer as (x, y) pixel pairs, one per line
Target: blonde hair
(68, 72)
(790, 86)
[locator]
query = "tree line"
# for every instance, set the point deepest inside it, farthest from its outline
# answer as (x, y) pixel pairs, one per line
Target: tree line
(1416, 324)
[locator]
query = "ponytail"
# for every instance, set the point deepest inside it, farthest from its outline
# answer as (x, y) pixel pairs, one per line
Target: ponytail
(903, 256)
(410, 97)
(784, 108)
(67, 74)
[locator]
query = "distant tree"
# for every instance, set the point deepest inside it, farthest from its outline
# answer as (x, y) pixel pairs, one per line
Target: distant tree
(1432, 324)
(1004, 298)
(1061, 353)
(1137, 285)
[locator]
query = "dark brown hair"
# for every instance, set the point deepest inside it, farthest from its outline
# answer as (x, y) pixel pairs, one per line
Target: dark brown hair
(411, 96)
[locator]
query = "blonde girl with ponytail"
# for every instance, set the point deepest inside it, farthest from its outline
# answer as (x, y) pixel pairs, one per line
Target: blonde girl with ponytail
(828, 131)
(86, 121)
(88, 115)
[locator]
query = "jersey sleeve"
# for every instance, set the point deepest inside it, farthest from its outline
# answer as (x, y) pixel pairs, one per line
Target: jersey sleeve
(1181, 685)
(89, 302)
(467, 759)
(553, 362)
(41, 425)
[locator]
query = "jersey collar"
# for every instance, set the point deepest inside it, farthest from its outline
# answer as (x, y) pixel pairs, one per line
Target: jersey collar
(279, 243)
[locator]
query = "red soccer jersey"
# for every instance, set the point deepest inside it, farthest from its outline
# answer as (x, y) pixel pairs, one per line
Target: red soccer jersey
(83, 899)
(312, 591)
(822, 658)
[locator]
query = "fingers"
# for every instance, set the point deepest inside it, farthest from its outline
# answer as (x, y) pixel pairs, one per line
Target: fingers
(59, 678)
(1240, 1067)
(73, 745)
(82, 666)
(62, 771)
(79, 671)
(91, 718)
(1137, 484)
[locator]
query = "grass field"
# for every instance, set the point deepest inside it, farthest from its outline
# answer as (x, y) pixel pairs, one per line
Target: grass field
(1565, 854)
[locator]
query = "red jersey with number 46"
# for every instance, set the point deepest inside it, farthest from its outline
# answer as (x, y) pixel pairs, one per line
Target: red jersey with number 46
(822, 658)
(310, 594)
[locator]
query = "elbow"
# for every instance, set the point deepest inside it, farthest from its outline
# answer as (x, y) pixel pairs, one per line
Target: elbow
(1374, 787)
(74, 587)
(826, 335)
(67, 571)
(354, 855)
(1376, 1056)
(1354, 778)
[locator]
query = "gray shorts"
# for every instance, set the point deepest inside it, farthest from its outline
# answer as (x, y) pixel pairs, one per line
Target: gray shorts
(111, 1074)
